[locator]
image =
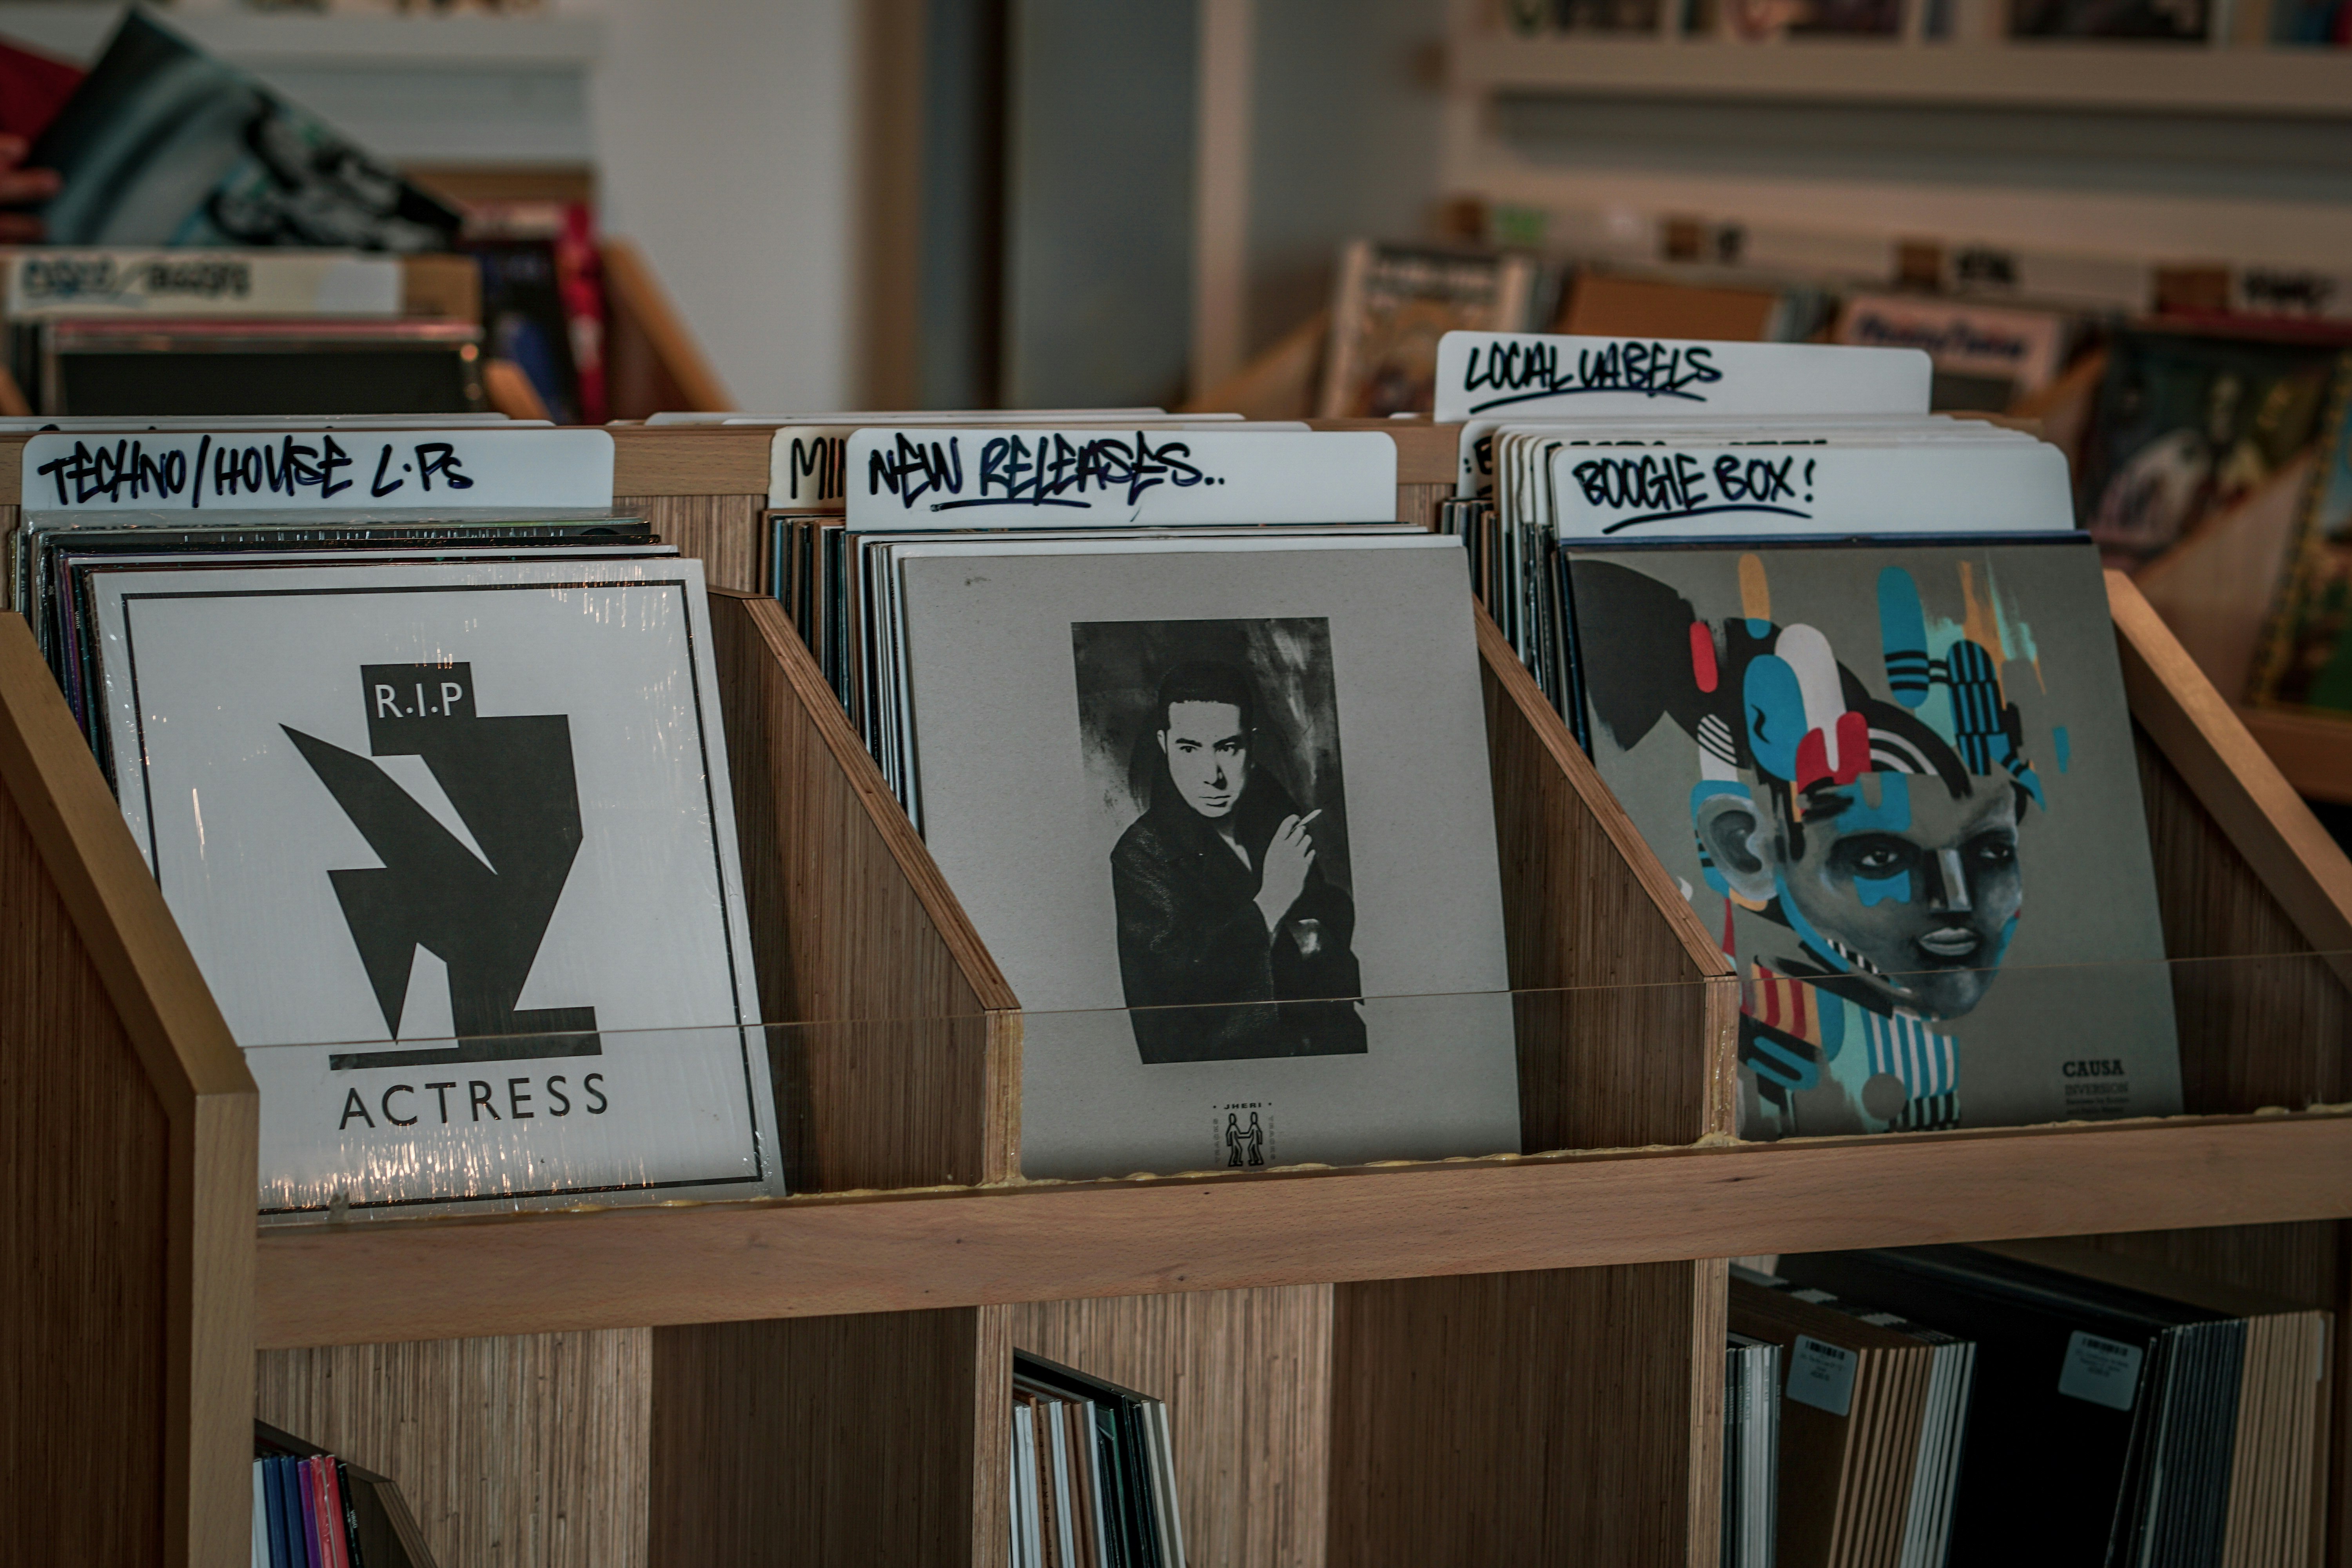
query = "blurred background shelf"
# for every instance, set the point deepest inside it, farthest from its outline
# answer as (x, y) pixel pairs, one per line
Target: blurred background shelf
(416, 88)
(2050, 73)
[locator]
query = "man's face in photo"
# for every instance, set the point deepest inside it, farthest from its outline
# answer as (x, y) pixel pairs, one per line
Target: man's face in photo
(1918, 885)
(1208, 755)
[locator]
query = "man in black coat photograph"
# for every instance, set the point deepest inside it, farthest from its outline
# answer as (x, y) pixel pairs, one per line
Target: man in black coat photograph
(1225, 919)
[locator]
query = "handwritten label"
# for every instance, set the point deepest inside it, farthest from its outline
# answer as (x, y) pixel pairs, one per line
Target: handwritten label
(1679, 492)
(2100, 1371)
(919, 478)
(1544, 376)
(808, 465)
(43, 283)
(386, 470)
(1821, 1374)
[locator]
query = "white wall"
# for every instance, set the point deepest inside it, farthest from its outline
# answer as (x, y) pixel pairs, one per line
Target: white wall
(724, 132)
(1346, 144)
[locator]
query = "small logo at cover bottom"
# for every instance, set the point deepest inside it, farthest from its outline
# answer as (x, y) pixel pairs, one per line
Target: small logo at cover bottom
(1244, 1134)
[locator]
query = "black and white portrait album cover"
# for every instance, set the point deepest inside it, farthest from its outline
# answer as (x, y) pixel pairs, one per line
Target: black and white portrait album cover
(1220, 810)
(1898, 780)
(454, 848)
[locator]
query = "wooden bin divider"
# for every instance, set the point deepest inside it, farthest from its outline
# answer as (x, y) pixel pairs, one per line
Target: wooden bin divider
(899, 1057)
(131, 1129)
(2244, 873)
(903, 1043)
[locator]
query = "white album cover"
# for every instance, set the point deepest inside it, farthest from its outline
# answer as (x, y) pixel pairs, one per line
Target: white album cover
(1220, 810)
(454, 848)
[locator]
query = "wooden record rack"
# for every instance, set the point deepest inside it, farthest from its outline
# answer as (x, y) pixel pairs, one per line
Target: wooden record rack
(1517, 1358)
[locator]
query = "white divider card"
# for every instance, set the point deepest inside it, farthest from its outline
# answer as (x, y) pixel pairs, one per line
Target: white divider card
(854, 416)
(808, 462)
(960, 478)
(1475, 457)
(45, 283)
(1682, 493)
(1541, 376)
(128, 424)
(373, 470)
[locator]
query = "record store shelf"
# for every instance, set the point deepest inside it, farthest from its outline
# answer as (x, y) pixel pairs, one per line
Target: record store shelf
(1473, 1359)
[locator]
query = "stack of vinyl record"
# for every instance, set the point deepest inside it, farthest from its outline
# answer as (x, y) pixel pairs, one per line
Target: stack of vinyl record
(314, 1509)
(1870, 1428)
(1195, 733)
(421, 745)
(2183, 1414)
(1093, 1476)
(1850, 670)
(1751, 1451)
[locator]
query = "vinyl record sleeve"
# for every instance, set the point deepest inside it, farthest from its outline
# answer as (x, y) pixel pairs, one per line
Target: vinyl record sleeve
(1812, 738)
(396, 806)
(1033, 676)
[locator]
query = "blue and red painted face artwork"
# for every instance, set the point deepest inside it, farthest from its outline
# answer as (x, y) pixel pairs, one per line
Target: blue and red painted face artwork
(1874, 837)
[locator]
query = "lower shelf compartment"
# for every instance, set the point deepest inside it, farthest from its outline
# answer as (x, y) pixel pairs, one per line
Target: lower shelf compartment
(1497, 1418)
(1532, 1416)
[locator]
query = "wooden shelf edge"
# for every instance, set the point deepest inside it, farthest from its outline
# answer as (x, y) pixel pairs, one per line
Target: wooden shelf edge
(150, 974)
(2052, 73)
(690, 460)
(2233, 777)
(2315, 753)
(774, 628)
(884, 1252)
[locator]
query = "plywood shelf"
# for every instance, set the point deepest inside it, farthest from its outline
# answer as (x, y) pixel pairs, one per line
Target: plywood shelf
(2314, 750)
(2053, 73)
(1490, 1336)
(907, 1251)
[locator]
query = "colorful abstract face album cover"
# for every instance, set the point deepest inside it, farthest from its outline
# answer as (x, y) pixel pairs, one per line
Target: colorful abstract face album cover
(1900, 783)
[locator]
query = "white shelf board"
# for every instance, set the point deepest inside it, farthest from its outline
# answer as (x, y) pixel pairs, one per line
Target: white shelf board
(415, 89)
(2046, 73)
(271, 38)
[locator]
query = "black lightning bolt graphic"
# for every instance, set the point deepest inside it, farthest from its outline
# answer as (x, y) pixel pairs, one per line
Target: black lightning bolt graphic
(513, 783)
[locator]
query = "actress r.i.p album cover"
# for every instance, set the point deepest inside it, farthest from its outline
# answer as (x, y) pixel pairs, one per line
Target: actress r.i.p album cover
(454, 848)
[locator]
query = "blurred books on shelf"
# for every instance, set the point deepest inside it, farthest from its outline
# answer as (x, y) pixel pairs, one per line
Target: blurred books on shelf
(1751, 1450)
(314, 1509)
(543, 298)
(1987, 357)
(2305, 657)
(1094, 1474)
(1391, 305)
(162, 143)
(2188, 425)
(147, 332)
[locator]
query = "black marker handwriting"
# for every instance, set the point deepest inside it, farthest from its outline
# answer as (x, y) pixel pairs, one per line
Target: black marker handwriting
(1521, 371)
(1677, 485)
(127, 472)
(1046, 470)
